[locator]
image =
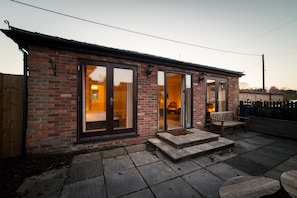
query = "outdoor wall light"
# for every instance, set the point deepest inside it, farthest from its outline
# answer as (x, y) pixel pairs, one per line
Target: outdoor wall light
(201, 77)
(149, 70)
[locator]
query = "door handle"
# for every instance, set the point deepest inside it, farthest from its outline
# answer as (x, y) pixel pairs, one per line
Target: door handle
(111, 101)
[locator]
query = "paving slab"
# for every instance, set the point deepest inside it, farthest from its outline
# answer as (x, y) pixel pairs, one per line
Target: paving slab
(156, 172)
(201, 148)
(205, 161)
(238, 134)
(48, 184)
(273, 173)
(286, 146)
(181, 141)
(225, 171)
(175, 188)
(225, 154)
(279, 147)
(262, 159)
(242, 146)
(124, 182)
(86, 157)
(118, 163)
(272, 153)
(246, 165)
(233, 136)
(145, 193)
(173, 153)
(182, 167)
(135, 148)
(114, 152)
(93, 187)
(290, 164)
(289, 143)
(260, 140)
(84, 170)
(143, 157)
(204, 182)
(247, 134)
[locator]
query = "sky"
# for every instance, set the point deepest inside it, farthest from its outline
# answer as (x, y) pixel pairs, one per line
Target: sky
(248, 27)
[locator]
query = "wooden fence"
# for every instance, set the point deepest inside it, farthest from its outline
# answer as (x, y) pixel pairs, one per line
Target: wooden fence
(276, 110)
(272, 104)
(11, 115)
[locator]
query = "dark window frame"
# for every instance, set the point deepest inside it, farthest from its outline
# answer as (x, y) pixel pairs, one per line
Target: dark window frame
(166, 71)
(216, 79)
(104, 135)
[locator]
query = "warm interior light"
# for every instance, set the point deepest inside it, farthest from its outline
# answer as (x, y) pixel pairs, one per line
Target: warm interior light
(94, 87)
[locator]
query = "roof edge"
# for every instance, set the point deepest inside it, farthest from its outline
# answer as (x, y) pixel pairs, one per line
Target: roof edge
(24, 38)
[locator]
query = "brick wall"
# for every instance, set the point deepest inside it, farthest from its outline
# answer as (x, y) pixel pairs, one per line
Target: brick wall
(233, 94)
(52, 101)
(247, 96)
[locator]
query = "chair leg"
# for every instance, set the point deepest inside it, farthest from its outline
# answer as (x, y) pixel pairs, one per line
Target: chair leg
(222, 128)
(222, 131)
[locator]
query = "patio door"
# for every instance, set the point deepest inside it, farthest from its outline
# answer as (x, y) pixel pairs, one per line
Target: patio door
(108, 100)
(216, 97)
(175, 101)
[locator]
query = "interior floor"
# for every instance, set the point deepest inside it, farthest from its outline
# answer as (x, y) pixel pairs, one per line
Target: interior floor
(173, 122)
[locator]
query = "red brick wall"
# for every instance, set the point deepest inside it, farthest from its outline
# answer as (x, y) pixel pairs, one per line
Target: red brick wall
(233, 94)
(52, 101)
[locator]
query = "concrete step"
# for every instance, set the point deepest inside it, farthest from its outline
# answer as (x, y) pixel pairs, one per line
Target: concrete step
(178, 154)
(195, 137)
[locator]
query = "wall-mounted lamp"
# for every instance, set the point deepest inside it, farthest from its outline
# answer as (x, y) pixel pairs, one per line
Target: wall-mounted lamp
(201, 77)
(149, 70)
(51, 61)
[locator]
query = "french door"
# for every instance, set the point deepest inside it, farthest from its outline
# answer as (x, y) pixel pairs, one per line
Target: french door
(175, 101)
(107, 104)
(216, 96)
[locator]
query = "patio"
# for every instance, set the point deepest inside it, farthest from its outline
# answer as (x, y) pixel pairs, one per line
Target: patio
(136, 171)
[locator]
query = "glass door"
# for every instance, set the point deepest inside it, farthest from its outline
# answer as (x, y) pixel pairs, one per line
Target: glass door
(94, 95)
(122, 99)
(161, 101)
(108, 104)
(174, 88)
(216, 96)
(174, 101)
(188, 101)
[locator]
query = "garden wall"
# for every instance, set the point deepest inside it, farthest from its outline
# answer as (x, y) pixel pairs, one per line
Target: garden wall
(276, 127)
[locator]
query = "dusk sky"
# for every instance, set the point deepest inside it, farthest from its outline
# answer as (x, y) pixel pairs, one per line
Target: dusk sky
(251, 27)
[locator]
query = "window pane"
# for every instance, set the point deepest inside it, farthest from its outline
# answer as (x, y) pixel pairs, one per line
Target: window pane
(161, 99)
(123, 98)
(211, 95)
(188, 100)
(222, 96)
(94, 95)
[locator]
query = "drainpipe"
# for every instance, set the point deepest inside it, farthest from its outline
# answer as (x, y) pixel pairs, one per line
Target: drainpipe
(25, 103)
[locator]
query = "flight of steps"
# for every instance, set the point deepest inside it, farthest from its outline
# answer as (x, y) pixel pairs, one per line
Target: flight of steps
(190, 145)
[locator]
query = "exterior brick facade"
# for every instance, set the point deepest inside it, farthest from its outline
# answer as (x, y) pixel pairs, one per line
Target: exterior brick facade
(53, 99)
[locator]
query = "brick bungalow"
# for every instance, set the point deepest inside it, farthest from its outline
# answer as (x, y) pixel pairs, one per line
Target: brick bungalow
(85, 96)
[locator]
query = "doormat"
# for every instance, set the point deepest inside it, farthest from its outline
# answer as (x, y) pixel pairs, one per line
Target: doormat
(179, 132)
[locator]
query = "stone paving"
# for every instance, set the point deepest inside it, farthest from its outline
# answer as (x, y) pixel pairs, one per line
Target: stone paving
(132, 171)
